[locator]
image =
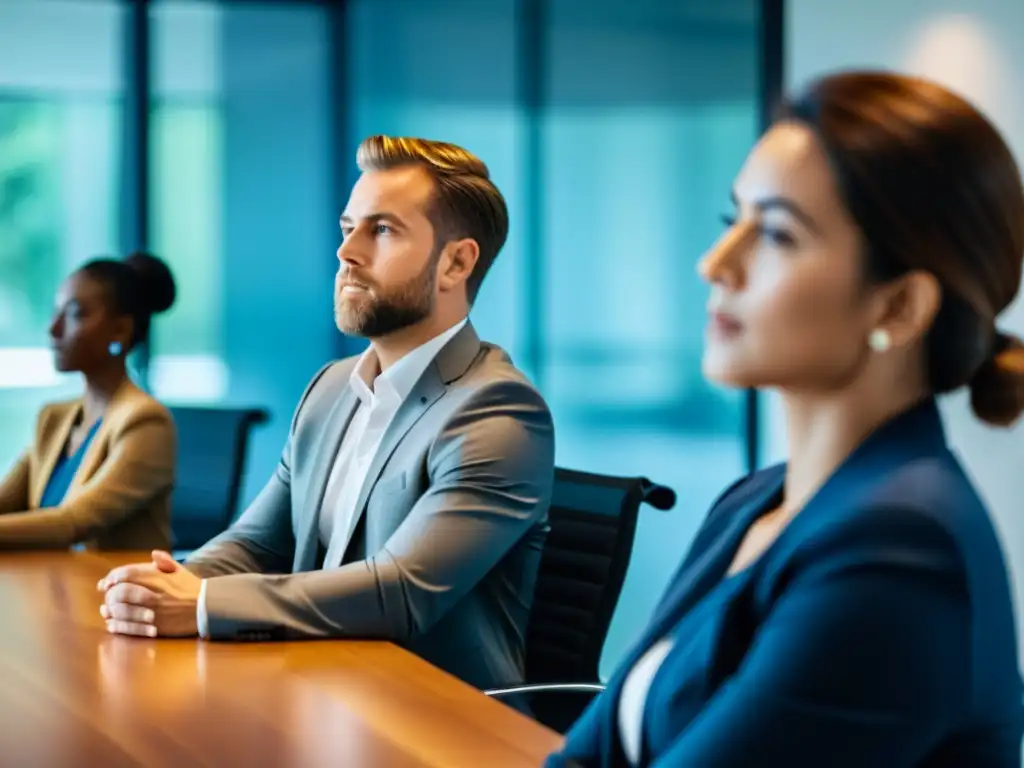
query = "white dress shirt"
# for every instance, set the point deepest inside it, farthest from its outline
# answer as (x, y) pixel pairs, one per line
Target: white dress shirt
(380, 396)
(633, 698)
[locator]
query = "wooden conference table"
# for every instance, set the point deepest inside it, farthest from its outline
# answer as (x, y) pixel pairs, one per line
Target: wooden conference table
(73, 695)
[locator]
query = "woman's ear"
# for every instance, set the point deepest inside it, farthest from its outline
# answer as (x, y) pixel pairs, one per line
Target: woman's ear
(905, 308)
(124, 331)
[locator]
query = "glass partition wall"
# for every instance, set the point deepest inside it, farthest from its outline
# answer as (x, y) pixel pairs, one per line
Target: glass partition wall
(614, 130)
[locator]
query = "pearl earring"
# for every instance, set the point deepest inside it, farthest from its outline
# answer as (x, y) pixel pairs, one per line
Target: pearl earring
(115, 349)
(880, 340)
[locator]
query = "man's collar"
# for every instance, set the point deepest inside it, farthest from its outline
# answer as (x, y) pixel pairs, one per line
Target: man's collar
(397, 382)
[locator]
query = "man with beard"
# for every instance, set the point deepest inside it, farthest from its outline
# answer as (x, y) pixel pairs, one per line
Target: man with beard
(410, 503)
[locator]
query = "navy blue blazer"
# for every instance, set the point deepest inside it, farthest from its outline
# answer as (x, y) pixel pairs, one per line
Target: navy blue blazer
(877, 630)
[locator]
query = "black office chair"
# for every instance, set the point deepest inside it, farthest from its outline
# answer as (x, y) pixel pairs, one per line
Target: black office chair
(212, 446)
(593, 523)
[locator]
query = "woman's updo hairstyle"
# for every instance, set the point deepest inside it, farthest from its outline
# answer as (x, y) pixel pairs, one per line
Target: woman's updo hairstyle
(139, 286)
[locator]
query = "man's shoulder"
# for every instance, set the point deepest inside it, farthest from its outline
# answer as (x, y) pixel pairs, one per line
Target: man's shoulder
(493, 370)
(494, 364)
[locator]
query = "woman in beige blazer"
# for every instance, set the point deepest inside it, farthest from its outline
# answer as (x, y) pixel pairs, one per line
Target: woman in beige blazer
(100, 470)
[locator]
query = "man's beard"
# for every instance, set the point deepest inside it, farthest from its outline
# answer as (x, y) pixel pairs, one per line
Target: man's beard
(373, 315)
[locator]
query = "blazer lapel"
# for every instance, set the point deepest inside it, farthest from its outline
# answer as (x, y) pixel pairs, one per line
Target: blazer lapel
(96, 451)
(50, 452)
(450, 364)
(334, 429)
(699, 576)
(426, 392)
(690, 583)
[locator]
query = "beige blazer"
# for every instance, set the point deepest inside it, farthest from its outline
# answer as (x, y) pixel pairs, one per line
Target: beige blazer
(120, 495)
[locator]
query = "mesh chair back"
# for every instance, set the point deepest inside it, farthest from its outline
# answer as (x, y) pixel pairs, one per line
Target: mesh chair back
(593, 524)
(212, 446)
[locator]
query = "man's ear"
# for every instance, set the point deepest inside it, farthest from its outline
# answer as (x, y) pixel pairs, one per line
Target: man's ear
(457, 262)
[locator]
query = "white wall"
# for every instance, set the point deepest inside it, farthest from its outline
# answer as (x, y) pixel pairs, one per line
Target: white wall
(975, 48)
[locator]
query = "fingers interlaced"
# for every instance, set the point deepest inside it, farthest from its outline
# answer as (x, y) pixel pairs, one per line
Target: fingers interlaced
(125, 612)
(119, 627)
(125, 573)
(131, 594)
(129, 610)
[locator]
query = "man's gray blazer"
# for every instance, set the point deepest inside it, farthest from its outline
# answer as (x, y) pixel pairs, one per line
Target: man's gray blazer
(452, 520)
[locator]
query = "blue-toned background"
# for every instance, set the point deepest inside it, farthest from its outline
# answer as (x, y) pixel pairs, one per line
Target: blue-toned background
(614, 139)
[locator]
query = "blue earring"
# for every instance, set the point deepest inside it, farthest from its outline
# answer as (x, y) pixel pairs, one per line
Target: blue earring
(114, 349)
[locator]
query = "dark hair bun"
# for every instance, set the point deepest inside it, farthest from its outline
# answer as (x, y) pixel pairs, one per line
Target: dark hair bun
(997, 389)
(157, 290)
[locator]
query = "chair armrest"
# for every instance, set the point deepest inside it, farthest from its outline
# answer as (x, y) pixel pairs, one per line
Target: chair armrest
(499, 693)
(556, 705)
(658, 496)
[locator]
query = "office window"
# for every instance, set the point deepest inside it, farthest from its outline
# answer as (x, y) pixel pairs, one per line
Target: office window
(242, 206)
(647, 110)
(61, 86)
(652, 106)
(187, 167)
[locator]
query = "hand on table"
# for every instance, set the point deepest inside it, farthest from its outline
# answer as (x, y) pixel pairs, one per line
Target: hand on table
(151, 599)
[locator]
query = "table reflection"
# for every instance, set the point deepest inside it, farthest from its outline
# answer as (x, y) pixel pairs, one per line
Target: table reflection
(168, 674)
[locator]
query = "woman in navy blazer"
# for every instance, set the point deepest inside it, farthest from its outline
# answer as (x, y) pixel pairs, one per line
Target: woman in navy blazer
(851, 607)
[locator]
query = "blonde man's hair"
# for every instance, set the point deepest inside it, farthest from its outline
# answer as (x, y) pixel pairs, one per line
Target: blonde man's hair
(466, 203)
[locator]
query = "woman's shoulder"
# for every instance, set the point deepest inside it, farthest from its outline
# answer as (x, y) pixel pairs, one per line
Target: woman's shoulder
(133, 406)
(933, 491)
(936, 494)
(936, 487)
(924, 513)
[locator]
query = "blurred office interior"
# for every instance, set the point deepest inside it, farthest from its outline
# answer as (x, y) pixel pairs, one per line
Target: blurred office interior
(221, 136)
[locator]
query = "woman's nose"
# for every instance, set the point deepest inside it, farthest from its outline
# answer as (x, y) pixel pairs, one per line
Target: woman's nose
(725, 262)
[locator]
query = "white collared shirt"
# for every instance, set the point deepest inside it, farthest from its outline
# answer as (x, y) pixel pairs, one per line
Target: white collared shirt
(380, 396)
